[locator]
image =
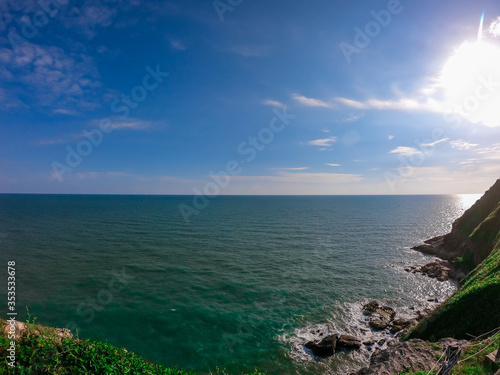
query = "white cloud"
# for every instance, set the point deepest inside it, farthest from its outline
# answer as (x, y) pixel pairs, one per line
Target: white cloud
(47, 76)
(434, 143)
(65, 111)
(462, 145)
(303, 178)
(310, 102)
(325, 142)
(273, 103)
(353, 117)
(333, 165)
(290, 169)
(177, 44)
(404, 104)
(88, 18)
(405, 151)
(441, 180)
(490, 152)
(131, 124)
(390, 137)
(495, 27)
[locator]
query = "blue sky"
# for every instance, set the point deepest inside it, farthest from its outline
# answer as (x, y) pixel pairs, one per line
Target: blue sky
(281, 97)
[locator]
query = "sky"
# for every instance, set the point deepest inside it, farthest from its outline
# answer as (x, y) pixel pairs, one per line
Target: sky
(249, 97)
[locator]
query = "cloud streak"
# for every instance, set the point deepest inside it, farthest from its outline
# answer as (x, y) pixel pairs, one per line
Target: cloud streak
(324, 142)
(310, 102)
(405, 151)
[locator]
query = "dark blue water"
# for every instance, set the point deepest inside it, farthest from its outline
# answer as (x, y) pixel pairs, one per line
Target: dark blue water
(237, 288)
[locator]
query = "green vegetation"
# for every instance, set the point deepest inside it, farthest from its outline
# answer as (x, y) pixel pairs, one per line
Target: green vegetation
(42, 351)
(475, 308)
(465, 262)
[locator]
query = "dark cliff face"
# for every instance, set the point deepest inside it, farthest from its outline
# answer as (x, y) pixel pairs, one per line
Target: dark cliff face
(474, 308)
(475, 233)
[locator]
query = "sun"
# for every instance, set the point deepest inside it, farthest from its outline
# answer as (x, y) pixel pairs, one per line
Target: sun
(471, 80)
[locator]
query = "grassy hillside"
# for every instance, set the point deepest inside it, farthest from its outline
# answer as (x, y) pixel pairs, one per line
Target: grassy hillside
(473, 235)
(42, 351)
(475, 308)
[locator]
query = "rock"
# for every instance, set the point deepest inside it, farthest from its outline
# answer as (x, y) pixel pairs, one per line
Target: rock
(370, 307)
(18, 329)
(348, 342)
(326, 347)
(381, 318)
(408, 356)
(379, 321)
(421, 314)
(399, 324)
(368, 342)
(431, 246)
(63, 333)
(395, 328)
(441, 270)
(404, 357)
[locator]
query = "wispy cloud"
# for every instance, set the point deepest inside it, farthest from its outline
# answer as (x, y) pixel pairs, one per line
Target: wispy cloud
(325, 142)
(495, 27)
(310, 102)
(404, 104)
(490, 152)
(353, 117)
(434, 143)
(462, 145)
(65, 111)
(177, 44)
(131, 124)
(333, 165)
(405, 151)
(390, 137)
(290, 169)
(88, 18)
(304, 178)
(51, 78)
(273, 103)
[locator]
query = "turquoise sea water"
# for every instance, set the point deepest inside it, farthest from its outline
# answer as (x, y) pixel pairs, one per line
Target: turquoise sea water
(238, 288)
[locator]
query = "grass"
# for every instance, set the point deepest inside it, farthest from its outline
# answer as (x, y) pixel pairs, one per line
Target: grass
(474, 309)
(46, 353)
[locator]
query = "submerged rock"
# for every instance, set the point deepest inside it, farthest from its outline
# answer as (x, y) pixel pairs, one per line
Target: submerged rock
(441, 270)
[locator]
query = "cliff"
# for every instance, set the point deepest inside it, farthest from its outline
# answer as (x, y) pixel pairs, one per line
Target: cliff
(473, 241)
(473, 236)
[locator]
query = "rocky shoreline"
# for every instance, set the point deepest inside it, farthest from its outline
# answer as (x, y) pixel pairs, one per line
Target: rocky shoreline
(387, 327)
(389, 354)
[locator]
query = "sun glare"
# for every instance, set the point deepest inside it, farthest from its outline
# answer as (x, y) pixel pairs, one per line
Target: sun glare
(471, 79)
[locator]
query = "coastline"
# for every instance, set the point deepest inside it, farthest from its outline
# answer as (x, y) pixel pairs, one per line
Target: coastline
(380, 346)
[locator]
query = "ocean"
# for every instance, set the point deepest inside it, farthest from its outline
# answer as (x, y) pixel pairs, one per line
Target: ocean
(241, 286)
